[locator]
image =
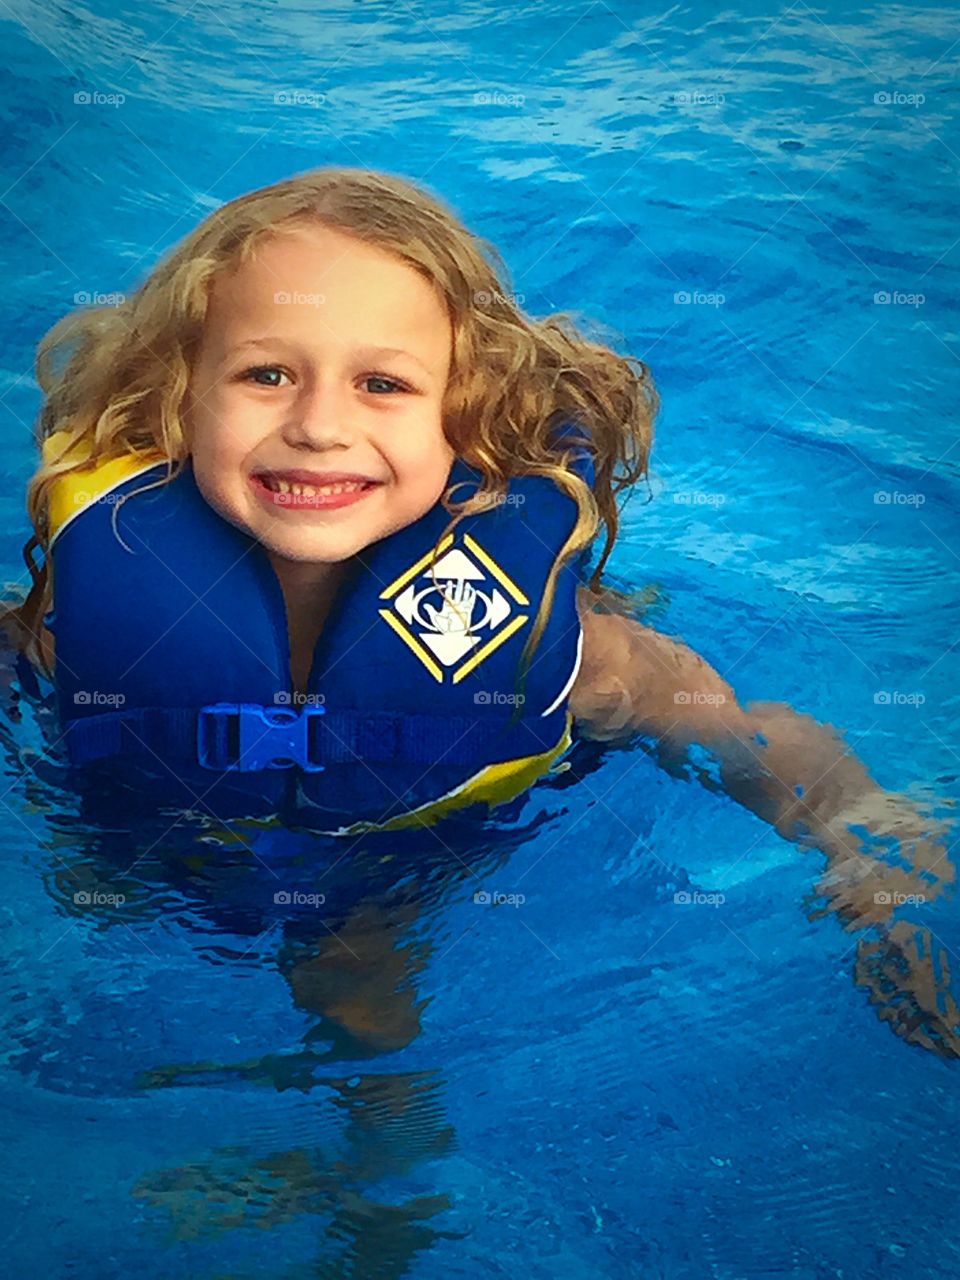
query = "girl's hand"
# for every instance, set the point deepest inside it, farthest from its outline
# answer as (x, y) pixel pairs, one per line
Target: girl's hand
(907, 973)
(862, 891)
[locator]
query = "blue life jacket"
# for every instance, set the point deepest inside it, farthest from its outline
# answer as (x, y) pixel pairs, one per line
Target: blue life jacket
(172, 652)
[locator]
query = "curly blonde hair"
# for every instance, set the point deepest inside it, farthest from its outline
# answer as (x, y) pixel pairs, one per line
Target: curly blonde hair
(115, 378)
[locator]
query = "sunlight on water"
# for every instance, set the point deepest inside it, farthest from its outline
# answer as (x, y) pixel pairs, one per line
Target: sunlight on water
(607, 1034)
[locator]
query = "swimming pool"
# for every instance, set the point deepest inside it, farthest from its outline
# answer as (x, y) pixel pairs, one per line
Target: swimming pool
(597, 1080)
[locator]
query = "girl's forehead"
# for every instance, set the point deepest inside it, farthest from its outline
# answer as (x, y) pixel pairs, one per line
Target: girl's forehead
(278, 313)
(323, 247)
(307, 279)
(322, 266)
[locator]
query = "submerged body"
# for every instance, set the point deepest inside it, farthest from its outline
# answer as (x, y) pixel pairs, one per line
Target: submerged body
(343, 328)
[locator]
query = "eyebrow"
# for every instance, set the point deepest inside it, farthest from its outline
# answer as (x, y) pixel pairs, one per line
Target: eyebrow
(360, 351)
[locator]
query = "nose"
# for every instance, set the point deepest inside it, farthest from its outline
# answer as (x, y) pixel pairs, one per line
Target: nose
(319, 418)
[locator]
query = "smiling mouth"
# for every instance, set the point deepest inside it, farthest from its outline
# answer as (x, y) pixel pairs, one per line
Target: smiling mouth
(294, 495)
(314, 490)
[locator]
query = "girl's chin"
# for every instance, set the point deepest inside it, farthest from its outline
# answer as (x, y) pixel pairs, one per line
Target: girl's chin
(303, 553)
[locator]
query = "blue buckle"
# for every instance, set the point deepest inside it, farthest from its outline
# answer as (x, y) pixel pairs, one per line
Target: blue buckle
(246, 736)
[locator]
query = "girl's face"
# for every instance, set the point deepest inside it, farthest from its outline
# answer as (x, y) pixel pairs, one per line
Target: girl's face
(322, 366)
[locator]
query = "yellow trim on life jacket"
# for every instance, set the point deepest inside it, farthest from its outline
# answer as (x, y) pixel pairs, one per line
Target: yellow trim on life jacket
(75, 491)
(494, 784)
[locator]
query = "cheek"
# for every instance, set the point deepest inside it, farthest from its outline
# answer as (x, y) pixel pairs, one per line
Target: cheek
(207, 478)
(423, 462)
(430, 476)
(419, 483)
(219, 443)
(217, 467)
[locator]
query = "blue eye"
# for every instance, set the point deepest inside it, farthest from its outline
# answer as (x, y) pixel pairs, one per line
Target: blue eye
(392, 383)
(248, 375)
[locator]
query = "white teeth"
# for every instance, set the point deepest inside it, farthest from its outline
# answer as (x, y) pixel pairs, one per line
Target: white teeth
(309, 490)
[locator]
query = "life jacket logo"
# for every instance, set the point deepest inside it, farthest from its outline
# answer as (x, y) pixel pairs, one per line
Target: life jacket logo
(453, 612)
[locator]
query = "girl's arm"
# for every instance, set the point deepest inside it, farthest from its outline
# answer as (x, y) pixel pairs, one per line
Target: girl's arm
(786, 767)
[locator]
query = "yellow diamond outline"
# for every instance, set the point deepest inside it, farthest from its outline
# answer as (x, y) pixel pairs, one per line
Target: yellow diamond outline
(509, 628)
(398, 583)
(507, 583)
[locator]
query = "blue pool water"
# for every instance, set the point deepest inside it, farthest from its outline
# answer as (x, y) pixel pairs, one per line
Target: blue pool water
(598, 1082)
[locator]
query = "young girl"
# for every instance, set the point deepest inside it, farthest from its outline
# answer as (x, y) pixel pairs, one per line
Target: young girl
(323, 351)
